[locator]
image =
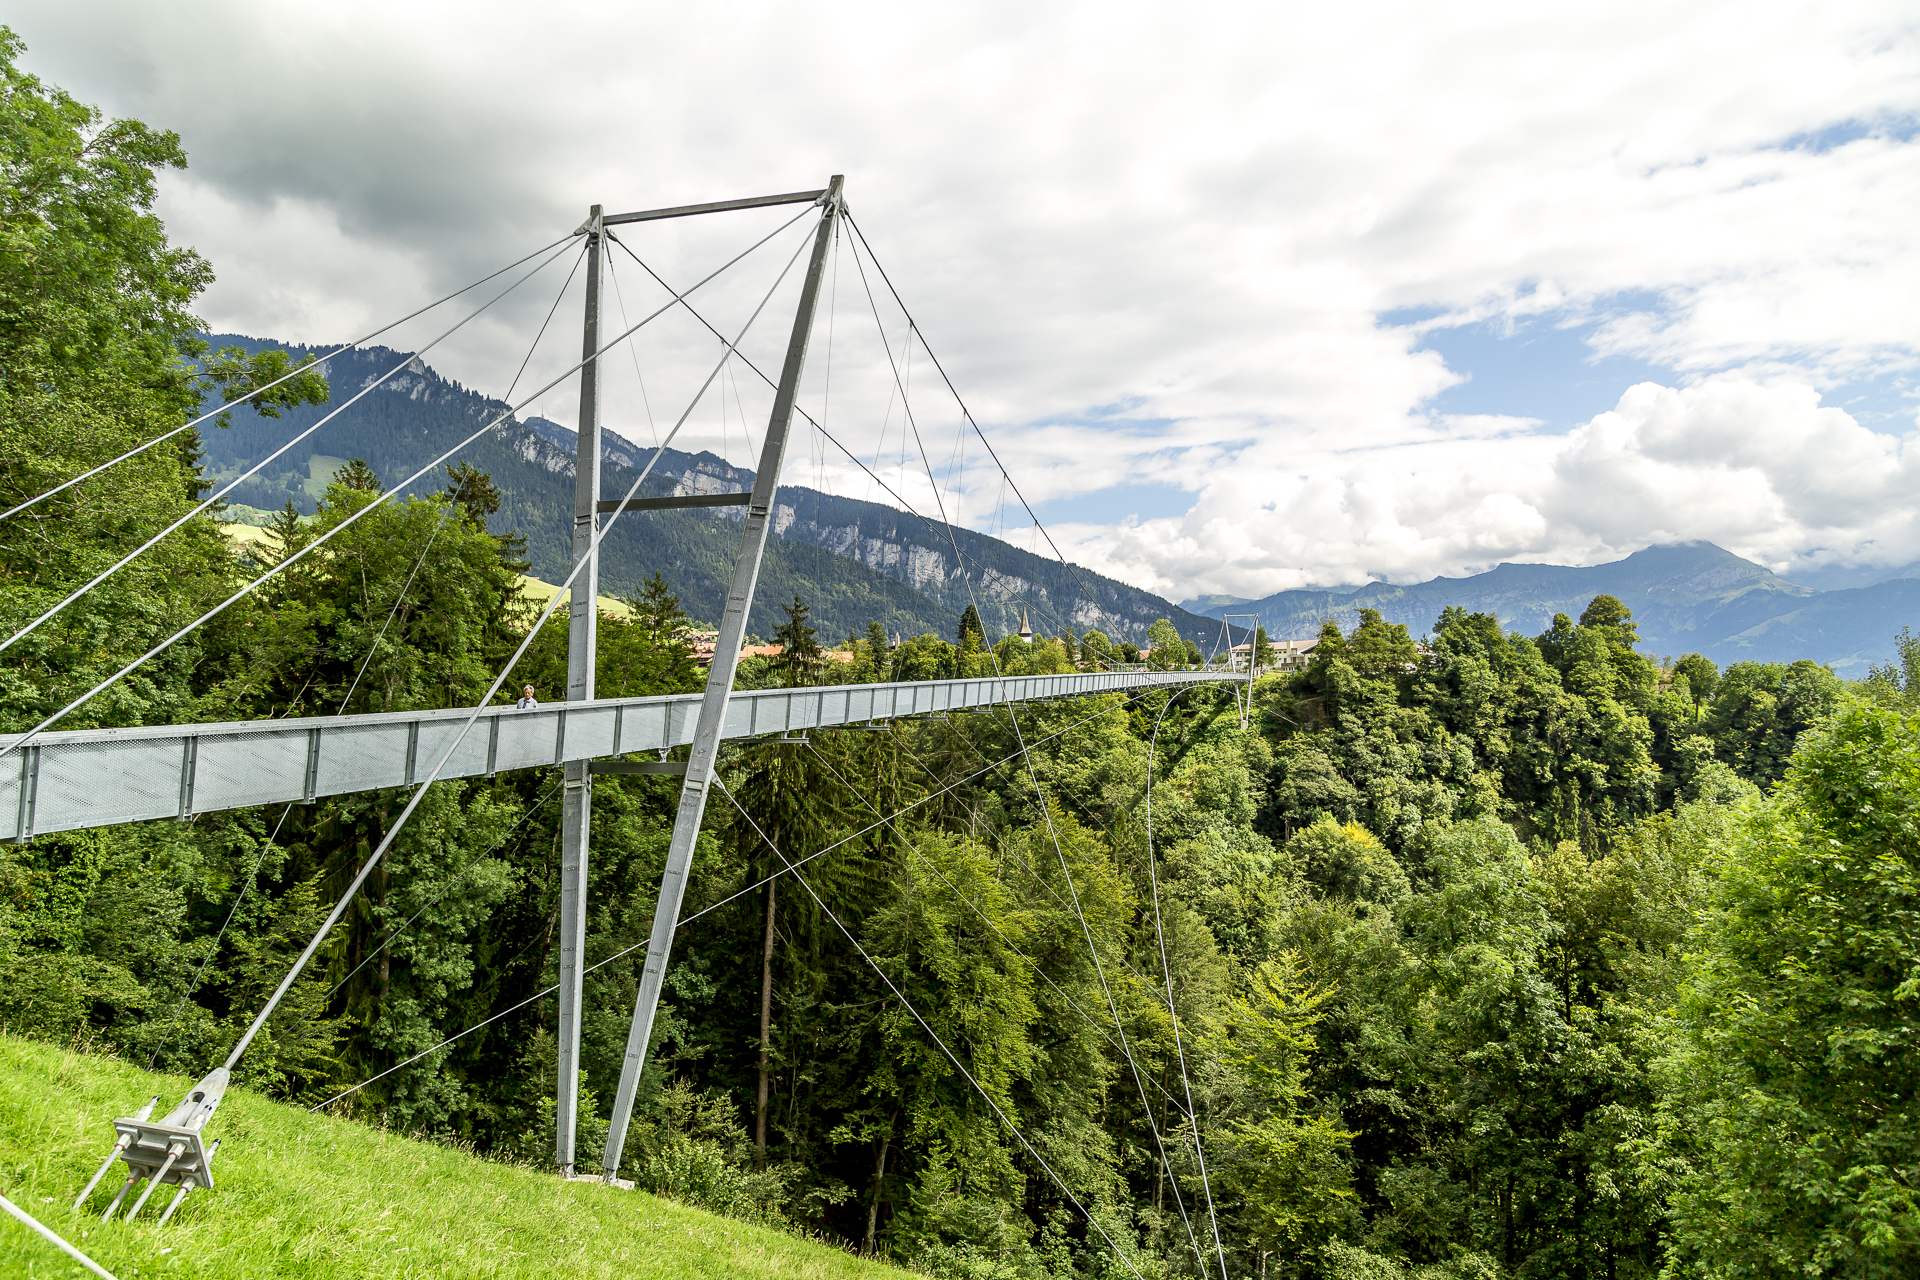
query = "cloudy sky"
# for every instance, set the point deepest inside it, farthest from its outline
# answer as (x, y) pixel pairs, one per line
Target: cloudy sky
(1247, 297)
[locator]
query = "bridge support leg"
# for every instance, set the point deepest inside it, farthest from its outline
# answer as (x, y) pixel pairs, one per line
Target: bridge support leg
(713, 706)
(576, 813)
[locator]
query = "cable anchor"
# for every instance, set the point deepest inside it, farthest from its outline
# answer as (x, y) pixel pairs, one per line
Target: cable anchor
(169, 1151)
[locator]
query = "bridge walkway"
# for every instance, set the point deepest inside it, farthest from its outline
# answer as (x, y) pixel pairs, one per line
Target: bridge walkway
(63, 781)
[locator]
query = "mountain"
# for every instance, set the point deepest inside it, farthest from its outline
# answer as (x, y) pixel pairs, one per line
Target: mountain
(853, 561)
(1841, 579)
(1685, 597)
(1850, 630)
(1200, 604)
(1664, 586)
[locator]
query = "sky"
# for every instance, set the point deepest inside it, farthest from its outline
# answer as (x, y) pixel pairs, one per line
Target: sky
(1245, 297)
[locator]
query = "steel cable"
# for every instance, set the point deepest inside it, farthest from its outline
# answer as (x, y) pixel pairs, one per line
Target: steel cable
(989, 922)
(161, 439)
(420, 792)
(214, 612)
(231, 485)
(213, 950)
(793, 870)
(1046, 812)
(1166, 967)
(392, 613)
(692, 916)
(445, 889)
(1027, 866)
(404, 587)
(968, 413)
(613, 278)
(852, 457)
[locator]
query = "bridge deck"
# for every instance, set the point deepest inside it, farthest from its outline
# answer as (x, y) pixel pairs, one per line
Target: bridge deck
(96, 777)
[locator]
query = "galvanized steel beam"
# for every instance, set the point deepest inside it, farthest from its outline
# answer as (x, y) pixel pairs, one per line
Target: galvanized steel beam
(677, 503)
(717, 206)
(576, 798)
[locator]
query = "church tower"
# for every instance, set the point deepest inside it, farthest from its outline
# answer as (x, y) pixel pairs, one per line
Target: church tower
(1026, 631)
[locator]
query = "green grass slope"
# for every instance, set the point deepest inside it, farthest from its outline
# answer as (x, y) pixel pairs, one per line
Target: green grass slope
(305, 1195)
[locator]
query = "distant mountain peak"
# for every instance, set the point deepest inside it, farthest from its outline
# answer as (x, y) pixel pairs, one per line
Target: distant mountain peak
(1685, 596)
(1676, 572)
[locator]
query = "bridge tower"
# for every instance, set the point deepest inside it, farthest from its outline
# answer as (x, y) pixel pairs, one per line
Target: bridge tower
(713, 704)
(576, 819)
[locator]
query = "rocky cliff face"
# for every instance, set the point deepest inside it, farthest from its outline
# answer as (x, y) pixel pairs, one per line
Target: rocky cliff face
(958, 567)
(952, 568)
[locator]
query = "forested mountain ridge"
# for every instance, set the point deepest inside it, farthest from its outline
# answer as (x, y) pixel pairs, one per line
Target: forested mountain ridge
(416, 415)
(854, 561)
(1686, 597)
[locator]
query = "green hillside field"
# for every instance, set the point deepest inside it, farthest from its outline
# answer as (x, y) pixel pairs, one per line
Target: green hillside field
(311, 1196)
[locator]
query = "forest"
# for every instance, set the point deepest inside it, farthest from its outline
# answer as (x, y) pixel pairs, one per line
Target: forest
(1473, 956)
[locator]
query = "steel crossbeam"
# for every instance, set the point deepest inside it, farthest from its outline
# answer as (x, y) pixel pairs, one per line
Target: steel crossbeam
(63, 781)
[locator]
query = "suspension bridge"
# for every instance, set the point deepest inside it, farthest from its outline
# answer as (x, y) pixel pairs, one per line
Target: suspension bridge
(55, 780)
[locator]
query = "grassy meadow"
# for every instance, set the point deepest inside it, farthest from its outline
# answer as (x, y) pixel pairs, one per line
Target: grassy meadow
(311, 1196)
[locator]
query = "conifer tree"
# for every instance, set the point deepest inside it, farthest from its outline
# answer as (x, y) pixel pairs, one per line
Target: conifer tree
(358, 476)
(800, 661)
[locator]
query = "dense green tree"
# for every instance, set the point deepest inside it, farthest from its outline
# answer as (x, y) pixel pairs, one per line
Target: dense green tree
(411, 606)
(969, 623)
(100, 353)
(1612, 619)
(1759, 711)
(1168, 649)
(1796, 1089)
(926, 657)
(1897, 682)
(94, 300)
(1700, 674)
(1016, 657)
(1346, 863)
(1380, 650)
(1552, 643)
(650, 650)
(1282, 1165)
(359, 477)
(800, 661)
(972, 658)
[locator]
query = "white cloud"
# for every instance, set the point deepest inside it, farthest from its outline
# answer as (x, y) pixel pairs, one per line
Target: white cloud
(1151, 244)
(1760, 468)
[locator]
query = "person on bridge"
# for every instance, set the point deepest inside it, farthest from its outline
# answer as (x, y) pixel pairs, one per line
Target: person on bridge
(527, 701)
